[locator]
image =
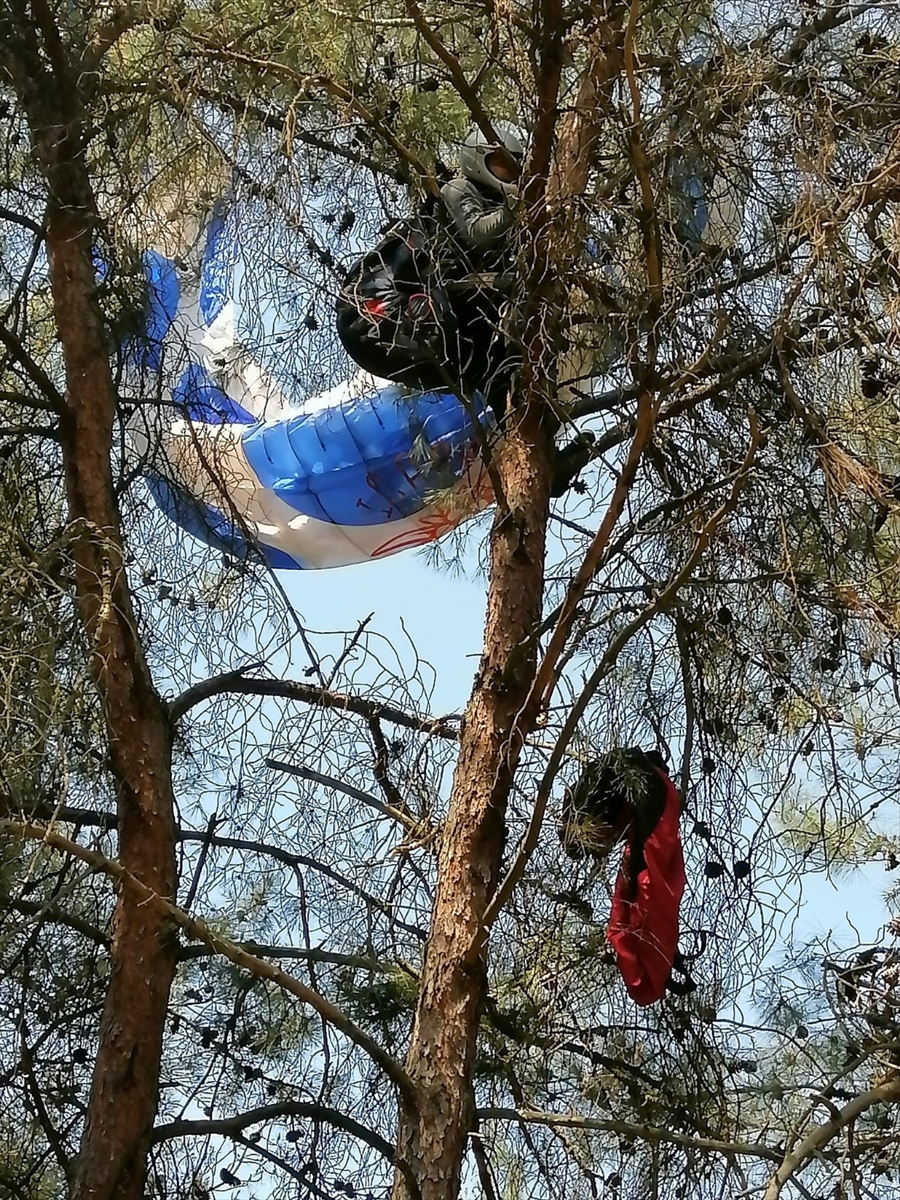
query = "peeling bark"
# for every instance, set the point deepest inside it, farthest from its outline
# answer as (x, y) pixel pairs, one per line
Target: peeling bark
(434, 1125)
(124, 1091)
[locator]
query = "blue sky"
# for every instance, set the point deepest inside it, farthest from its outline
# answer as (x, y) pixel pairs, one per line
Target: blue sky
(443, 615)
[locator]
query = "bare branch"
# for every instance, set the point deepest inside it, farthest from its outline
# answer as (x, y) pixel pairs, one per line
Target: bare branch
(48, 911)
(407, 820)
(235, 682)
(359, 961)
(53, 401)
(109, 821)
(227, 1126)
(234, 1126)
(7, 214)
(199, 931)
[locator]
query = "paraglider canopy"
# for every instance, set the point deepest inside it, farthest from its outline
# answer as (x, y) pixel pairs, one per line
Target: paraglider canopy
(357, 473)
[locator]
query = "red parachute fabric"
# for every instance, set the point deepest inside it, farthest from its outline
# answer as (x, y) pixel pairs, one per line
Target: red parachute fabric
(644, 931)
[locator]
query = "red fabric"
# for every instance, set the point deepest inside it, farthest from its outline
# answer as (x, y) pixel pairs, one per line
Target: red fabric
(644, 931)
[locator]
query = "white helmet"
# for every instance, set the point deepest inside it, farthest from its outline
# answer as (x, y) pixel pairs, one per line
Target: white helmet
(479, 159)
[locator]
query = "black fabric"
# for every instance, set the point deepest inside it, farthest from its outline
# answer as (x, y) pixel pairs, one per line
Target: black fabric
(570, 460)
(621, 794)
(393, 318)
(404, 313)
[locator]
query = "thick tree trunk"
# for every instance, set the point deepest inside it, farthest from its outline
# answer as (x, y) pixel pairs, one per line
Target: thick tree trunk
(434, 1131)
(124, 1091)
(434, 1128)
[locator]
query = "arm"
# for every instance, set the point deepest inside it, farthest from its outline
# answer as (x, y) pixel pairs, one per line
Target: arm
(481, 224)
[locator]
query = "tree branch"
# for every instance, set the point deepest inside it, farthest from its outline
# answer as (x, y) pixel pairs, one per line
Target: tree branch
(796, 1160)
(233, 1127)
(36, 373)
(56, 915)
(108, 821)
(26, 1063)
(7, 214)
(406, 819)
(119, 23)
(360, 961)
(323, 83)
(464, 89)
(647, 1133)
(276, 120)
(235, 682)
(199, 931)
(228, 1126)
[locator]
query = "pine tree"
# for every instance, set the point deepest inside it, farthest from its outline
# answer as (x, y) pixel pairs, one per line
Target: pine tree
(451, 1016)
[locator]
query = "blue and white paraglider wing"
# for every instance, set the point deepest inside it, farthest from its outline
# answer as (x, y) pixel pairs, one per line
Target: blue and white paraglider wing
(709, 194)
(358, 473)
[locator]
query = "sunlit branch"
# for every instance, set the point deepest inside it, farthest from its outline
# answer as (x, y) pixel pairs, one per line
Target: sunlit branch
(199, 931)
(625, 1129)
(796, 1160)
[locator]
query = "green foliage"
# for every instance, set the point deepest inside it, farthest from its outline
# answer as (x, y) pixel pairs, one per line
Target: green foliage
(833, 841)
(380, 1000)
(771, 670)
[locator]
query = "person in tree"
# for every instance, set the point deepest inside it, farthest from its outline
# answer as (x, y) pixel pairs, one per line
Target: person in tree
(408, 311)
(628, 795)
(480, 203)
(481, 198)
(426, 308)
(393, 317)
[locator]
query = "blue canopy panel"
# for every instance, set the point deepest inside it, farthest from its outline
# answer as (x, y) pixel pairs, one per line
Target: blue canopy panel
(694, 217)
(213, 527)
(198, 397)
(369, 461)
(163, 294)
(219, 258)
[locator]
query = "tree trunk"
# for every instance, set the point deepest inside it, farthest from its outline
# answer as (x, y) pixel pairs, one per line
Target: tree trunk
(434, 1132)
(124, 1090)
(434, 1129)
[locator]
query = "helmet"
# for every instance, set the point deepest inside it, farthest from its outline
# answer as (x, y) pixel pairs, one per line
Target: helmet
(479, 158)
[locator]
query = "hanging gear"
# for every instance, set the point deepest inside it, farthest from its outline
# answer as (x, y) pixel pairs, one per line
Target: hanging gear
(628, 795)
(619, 793)
(412, 311)
(393, 317)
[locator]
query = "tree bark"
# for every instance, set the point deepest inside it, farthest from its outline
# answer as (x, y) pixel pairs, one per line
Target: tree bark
(124, 1090)
(434, 1129)
(434, 1125)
